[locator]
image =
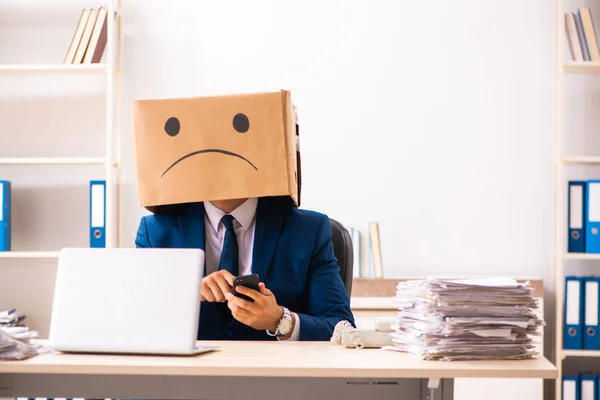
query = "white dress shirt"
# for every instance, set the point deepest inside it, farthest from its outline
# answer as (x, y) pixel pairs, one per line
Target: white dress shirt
(243, 224)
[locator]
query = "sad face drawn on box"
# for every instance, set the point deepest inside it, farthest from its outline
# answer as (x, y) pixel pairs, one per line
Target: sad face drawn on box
(241, 123)
(215, 148)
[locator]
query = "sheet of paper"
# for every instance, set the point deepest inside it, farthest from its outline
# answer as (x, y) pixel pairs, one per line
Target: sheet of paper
(496, 281)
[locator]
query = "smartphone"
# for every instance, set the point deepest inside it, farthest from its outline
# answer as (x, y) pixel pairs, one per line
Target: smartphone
(249, 281)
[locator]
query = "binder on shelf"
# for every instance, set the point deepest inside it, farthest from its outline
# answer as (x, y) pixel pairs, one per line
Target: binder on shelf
(592, 217)
(5, 213)
(97, 213)
(589, 386)
(591, 338)
(576, 216)
(573, 313)
(570, 389)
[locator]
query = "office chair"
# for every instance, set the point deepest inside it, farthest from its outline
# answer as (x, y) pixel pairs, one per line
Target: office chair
(342, 249)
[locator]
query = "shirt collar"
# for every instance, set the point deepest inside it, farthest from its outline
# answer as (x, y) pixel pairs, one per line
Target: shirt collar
(244, 214)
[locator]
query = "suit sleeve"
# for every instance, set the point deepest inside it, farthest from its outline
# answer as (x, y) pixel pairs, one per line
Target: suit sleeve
(328, 302)
(141, 239)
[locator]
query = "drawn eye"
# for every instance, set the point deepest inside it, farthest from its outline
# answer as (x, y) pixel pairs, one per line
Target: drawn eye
(172, 126)
(241, 123)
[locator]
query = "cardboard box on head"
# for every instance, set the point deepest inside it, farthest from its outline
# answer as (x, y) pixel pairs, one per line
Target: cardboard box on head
(216, 148)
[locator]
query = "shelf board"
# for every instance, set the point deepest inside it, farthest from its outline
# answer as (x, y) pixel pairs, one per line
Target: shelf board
(581, 353)
(29, 254)
(581, 160)
(581, 256)
(582, 67)
(24, 69)
(52, 160)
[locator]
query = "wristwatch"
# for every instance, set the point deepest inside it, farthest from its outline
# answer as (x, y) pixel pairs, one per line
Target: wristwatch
(284, 326)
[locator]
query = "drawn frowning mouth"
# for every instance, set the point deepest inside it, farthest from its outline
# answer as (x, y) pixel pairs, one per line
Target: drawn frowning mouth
(228, 153)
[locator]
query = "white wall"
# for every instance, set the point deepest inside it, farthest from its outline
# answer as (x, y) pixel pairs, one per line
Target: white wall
(433, 118)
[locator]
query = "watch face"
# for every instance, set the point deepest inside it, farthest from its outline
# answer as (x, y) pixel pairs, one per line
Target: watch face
(285, 326)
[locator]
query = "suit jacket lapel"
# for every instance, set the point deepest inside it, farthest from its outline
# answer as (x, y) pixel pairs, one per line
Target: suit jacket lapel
(191, 226)
(269, 220)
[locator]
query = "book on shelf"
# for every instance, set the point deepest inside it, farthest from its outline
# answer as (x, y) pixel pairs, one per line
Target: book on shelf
(365, 255)
(366, 247)
(90, 37)
(581, 35)
(375, 245)
(355, 251)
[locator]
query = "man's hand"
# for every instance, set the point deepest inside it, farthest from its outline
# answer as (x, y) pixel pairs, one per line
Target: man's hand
(215, 286)
(263, 313)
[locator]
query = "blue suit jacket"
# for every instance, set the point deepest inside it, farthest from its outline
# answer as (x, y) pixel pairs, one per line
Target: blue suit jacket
(293, 256)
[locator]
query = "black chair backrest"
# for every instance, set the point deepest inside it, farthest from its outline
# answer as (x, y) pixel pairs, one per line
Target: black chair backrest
(342, 249)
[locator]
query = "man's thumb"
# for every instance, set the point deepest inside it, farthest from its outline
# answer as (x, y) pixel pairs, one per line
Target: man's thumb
(264, 291)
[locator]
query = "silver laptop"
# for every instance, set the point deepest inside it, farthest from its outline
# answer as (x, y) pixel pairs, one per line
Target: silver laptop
(127, 301)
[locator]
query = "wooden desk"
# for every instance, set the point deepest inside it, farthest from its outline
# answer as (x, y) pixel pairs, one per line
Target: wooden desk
(373, 298)
(240, 368)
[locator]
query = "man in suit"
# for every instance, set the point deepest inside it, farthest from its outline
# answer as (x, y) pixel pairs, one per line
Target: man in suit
(302, 296)
(248, 225)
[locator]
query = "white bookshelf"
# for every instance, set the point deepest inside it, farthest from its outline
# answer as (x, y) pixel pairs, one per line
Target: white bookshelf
(562, 259)
(581, 67)
(580, 353)
(580, 256)
(110, 67)
(54, 69)
(29, 254)
(52, 160)
(581, 160)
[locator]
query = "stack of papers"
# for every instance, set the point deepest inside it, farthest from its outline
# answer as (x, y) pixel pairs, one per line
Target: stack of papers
(10, 318)
(478, 319)
(16, 339)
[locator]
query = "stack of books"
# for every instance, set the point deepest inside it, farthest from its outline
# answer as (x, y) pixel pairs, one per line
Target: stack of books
(367, 256)
(90, 37)
(582, 36)
(478, 319)
(16, 339)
